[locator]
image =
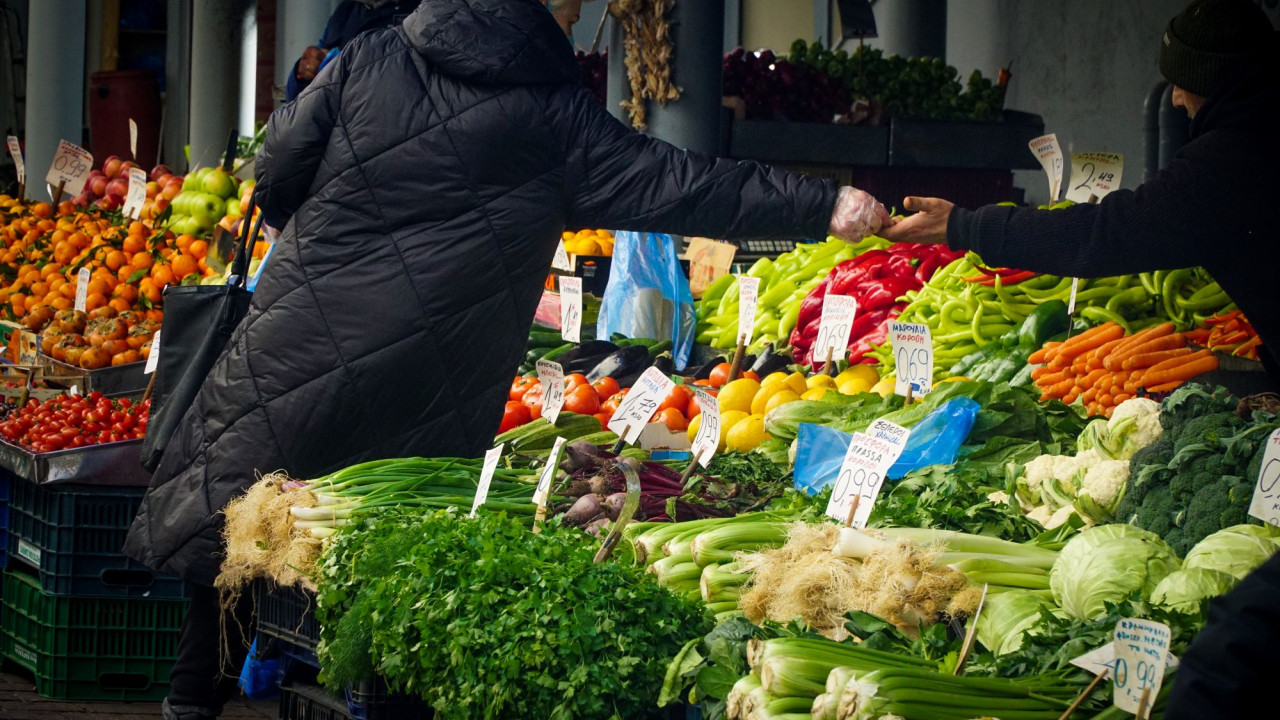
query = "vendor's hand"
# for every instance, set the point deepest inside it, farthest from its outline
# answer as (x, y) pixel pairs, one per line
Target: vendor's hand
(856, 215)
(928, 225)
(309, 63)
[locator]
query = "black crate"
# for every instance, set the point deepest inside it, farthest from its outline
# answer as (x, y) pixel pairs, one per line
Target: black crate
(303, 701)
(288, 614)
(73, 535)
(371, 700)
(4, 517)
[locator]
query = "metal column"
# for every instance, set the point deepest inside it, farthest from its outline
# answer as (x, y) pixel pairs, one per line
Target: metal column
(55, 83)
(693, 121)
(912, 28)
(217, 27)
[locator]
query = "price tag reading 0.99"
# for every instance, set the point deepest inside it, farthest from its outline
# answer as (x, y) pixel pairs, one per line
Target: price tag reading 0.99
(1142, 649)
(70, 168)
(1266, 494)
(707, 440)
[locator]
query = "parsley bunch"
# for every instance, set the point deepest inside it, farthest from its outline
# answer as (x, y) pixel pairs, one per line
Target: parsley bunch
(485, 619)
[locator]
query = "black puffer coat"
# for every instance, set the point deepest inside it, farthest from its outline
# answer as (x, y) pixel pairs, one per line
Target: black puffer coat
(422, 182)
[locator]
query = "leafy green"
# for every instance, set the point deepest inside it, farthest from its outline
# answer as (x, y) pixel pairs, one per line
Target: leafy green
(951, 497)
(485, 619)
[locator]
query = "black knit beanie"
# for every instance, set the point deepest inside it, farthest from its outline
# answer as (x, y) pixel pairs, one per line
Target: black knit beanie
(1209, 38)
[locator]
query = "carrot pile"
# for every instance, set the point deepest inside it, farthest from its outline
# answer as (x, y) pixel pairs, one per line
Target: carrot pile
(1228, 332)
(1103, 367)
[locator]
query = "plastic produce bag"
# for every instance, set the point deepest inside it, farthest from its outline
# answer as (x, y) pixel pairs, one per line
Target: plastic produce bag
(648, 295)
(935, 440)
(259, 678)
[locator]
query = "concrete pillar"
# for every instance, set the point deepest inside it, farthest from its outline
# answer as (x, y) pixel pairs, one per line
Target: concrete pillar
(912, 28)
(217, 26)
(299, 24)
(248, 72)
(177, 88)
(618, 88)
(55, 79)
(977, 37)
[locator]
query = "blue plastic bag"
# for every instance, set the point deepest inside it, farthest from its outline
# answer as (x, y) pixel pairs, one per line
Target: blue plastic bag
(935, 440)
(648, 295)
(259, 678)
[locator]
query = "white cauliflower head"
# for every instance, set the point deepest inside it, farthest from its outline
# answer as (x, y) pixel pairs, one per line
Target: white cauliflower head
(1104, 480)
(1145, 413)
(1061, 517)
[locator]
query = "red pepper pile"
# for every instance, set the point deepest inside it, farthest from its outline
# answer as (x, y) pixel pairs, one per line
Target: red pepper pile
(1228, 332)
(72, 421)
(877, 279)
(1008, 276)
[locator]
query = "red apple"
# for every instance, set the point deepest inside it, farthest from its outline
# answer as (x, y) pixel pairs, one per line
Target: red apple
(126, 167)
(170, 191)
(111, 166)
(153, 188)
(160, 204)
(162, 180)
(97, 186)
(85, 198)
(118, 186)
(160, 171)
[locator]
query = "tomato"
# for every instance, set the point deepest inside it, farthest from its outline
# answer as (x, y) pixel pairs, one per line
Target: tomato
(719, 375)
(514, 415)
(572, 381)
(582, 400)
(672, 417)
(611, 405)
(604, 419)
(695, 409)
(702, 383)
(752, 374)
(521, 386)
(606, 387)
(677, 399)
(533, 400)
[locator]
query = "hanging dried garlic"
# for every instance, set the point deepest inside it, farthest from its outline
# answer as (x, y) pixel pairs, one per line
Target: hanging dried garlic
(646, 42)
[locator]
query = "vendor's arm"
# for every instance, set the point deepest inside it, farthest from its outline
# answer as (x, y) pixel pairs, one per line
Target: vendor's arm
(628, 181)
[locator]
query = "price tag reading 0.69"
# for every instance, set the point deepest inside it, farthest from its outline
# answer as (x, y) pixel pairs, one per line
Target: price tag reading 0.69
(834, 327)
(913, 357)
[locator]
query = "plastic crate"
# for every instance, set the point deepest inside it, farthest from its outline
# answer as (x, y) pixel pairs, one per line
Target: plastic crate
(288, 614)
(73, 536)
(4, 518)
(370, 700)
(89, 648)
(302, 701)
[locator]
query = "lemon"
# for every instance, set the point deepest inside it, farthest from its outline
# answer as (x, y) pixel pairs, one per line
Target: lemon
(884, 388)
(747, 434)
(821, 381)
(727, 422)
(781, 398)
(864, 372)
(773, 379)
(815, 393)
(694, 424)
(853, 386)
(738, 395)
(796, 382)
(762, 397)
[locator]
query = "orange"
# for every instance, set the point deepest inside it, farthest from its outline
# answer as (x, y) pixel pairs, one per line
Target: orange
(137, 228)
(198, 249)
(31, 302)
(142, 261)
(147, 288)
(79, 240)
(68, 290)
(98, 287)
(131, 244)
(127, 292)
(62, 303)
(184, 241)
(155, 315)
(94, 301)
(42, 210)
(39, 289)
(120, 304)
(56, 282)
(162, 275)
(124, 272)
(114, 260)
(48, 299)
(184, 265)
(50, 269)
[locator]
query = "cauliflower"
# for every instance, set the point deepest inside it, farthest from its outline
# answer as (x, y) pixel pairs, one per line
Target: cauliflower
(1041, 514)
(1101, 489)
(1146, 419)
(999, 497)
(1061, 517)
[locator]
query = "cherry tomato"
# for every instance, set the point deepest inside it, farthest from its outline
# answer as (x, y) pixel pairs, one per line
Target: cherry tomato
(674, 420)
(719, 375)
(605, 387)
(514, 415)
(582, 400)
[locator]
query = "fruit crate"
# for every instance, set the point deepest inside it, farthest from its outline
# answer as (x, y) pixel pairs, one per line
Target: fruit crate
(371, 700)
(72, 535)
(288, 614)
(89, 648)
(304, 701)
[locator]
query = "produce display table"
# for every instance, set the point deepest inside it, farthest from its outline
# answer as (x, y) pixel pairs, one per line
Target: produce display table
(115, 464)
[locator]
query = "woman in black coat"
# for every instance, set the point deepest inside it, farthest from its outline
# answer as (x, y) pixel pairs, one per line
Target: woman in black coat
(422, 182)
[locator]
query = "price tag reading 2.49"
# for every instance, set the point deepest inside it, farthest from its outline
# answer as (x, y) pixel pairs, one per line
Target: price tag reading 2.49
(1142, 649)
(869, 457)
(707, 440)
(551, 375)
(571, 309)
(641, 402)
(1094, 174)
(834, 328)
(913, 357)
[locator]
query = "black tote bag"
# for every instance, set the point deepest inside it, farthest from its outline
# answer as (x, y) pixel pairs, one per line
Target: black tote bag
(198, 322)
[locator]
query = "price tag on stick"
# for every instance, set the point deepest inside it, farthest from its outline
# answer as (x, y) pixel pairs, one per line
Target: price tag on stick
(561, 261)
(571, 309)
(1266, 496)
(869, 457)
(551, 375)
(1094, 174)
(748, 293)
(913, 357)
(486, 477)
(15, 151)
(641, 402)
(833, 328)
(82, 288)
(1049, 154)
(137, 193)
(1142, 647)
(548, 474)
(153, 356)
(1103, 659)
(70, 168)
(133, 139)
(707, 440)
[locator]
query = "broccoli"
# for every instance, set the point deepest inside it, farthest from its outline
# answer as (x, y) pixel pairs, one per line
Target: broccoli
(1156, 511)
(1158, 453)
(1210, 430)
(1222, 503)
(1191, 401)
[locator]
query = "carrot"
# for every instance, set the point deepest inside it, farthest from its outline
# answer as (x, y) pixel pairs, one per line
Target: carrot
(1146, 360)
(1079, 365)
(1117, 399)
(1041, 356)
(1060, 389)
(1166, 342)
(1105, 400)
(1090, 339)
(1059, 362)
(1165, 387)
(1190, 366)
(1093, 377)
(1050, 379)
(1134, 340)
(1104, 383)
(1039, 372)
(1089, 395)
(1174, 362)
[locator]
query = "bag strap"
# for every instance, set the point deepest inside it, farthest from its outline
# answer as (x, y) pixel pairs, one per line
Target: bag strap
(249, 233)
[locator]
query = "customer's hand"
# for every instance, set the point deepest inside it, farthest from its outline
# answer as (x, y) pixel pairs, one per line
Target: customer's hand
(309, 63)
(857, 215)
(928, 225)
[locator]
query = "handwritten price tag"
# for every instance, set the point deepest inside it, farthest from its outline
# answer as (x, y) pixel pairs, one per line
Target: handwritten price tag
(551, 375)
(1141, 649)
(1049, 154)
(15, 150)
(707, 440)
(748, 293)
(71, 165)
(708, 260)
(913, 356)
(638, 407)
(1095, 174)
(133, 138)
(869, 457)
(561, 261)
(137, 193)
(486, 477)
(548, 472)
(571, 309)
(82, 288)
(834, 327)
(1266, 496)
(153, 356)
(1103, 659)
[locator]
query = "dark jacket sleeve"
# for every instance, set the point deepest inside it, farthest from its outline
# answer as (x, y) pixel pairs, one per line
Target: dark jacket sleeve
(297, 135)
(1164, 224)
(1228, 672)
(624, 180)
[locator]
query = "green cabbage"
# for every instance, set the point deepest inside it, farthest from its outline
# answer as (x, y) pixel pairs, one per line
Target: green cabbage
(1236, 550)
(1184, 590)
(1106, 563)
(1006, 617)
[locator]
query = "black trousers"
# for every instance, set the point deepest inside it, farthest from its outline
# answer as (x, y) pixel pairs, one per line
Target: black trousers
(204, 675)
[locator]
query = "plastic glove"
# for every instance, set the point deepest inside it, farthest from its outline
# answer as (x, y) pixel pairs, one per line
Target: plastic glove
(856, 215)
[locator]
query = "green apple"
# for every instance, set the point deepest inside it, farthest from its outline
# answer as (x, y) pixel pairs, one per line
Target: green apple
(207, 206)
(182, 203)
(185, 225)
(190, 183)
(219, 183)
(233, 208)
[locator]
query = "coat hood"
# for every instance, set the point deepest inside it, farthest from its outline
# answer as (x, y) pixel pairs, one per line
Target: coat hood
(493, 42)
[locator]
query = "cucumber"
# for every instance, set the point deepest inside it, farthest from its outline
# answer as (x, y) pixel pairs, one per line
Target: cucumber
(543, 339)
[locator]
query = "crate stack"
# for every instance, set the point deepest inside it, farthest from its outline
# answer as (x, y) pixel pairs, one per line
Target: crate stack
(287, 624)
(86, 621)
